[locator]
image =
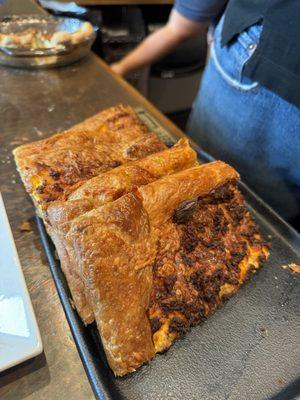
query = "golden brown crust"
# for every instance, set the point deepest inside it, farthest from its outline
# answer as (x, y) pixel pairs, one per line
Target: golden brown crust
(57, 227)
(100, 190)
(50, 167)
(147, 247)
(170, 191)
(109, 186)
(115, 246)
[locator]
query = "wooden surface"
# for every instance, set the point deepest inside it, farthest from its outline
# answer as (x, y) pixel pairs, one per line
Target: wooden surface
(33, 105)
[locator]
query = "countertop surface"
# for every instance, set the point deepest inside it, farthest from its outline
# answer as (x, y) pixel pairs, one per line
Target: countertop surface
(33, 105)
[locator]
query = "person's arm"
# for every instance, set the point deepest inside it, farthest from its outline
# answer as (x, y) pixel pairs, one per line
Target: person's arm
(160, 43)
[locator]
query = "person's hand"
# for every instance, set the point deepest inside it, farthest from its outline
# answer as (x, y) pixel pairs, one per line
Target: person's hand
(118, 68)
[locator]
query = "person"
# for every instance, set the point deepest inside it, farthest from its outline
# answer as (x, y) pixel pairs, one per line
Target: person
(247, 110)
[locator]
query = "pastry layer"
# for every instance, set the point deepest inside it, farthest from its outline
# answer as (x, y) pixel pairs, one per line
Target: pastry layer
(150, 244)
(99, 190)
(159, 260)
(51, 167)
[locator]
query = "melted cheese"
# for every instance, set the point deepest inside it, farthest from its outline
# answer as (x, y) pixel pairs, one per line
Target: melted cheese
(162, 338)
(40, 180)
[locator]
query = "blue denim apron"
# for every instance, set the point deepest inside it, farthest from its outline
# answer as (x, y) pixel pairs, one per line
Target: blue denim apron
(240, 122)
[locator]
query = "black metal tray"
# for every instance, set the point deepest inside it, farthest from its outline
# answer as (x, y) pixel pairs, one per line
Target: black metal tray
(249, 349)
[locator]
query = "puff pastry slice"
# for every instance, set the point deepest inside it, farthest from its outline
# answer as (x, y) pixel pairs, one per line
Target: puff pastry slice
(99, 190)
(161, 259)
(51, 167)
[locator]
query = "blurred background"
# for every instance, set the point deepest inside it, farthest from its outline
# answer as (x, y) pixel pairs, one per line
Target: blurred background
(172, 83)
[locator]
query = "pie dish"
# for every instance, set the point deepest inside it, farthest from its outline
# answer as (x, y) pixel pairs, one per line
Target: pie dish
(36, 34)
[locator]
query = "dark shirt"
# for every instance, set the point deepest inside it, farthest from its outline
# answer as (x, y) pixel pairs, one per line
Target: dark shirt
(276, 62)
(200, 10)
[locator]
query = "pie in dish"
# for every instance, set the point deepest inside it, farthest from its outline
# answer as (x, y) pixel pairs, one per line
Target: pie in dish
(36, 38)
(51, 167)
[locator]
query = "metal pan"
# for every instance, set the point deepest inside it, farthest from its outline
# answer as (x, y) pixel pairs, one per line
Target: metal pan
(247, 350)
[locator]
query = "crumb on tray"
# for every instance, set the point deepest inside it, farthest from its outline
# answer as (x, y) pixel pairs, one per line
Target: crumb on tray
(293, 267)
(25, 226)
